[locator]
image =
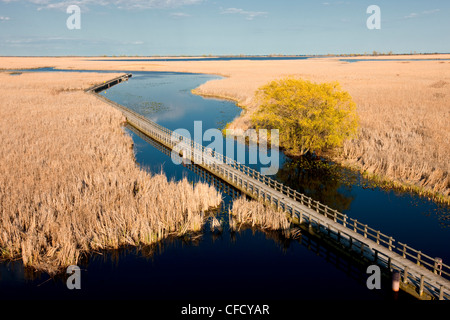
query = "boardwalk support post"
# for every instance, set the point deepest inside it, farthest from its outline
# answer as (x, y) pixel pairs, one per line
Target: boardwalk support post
(421, 285)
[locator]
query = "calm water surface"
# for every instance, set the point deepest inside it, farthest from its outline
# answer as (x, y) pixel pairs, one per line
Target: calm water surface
(399, 60)
(221, 58)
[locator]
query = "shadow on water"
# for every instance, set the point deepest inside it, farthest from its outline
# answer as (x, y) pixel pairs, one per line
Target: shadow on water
(325, 182)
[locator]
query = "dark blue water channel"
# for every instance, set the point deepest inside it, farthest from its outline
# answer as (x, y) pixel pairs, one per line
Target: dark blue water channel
(249, 264)
(260, 58)
(399, 60)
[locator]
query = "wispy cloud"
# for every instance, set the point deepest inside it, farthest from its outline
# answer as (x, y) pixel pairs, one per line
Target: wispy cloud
(29, 42)
(249, 15)
(120, 4)
(411, 15)
(4, 18)
(179, 15)
(415, 14)
(32, 41)
(153, 4)
(431, 11)
(338, 3)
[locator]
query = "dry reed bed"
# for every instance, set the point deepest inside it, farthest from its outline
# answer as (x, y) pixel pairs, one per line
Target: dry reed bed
(404, 107)
(255, 214)
(404, 111)
(68, 180)
(404, 135)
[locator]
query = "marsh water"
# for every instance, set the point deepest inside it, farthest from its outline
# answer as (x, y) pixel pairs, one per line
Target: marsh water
(206, 58)
(249, 264)
(262, 58)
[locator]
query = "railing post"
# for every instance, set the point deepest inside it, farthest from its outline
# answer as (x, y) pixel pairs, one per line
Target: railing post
(421, 285)
(390, 243)
(438, 266)
(354, 225)
(404, 251)
(378, 237)
(418, 257)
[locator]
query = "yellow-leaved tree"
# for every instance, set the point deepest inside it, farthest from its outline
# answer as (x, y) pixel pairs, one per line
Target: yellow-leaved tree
(310, 117)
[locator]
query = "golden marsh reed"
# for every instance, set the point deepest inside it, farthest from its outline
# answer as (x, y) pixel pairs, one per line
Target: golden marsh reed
(403, 106)
(404, 112)
(69, 183)
(255, 214)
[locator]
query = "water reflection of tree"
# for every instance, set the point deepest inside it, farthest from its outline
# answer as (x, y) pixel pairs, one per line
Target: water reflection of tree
(321, 180)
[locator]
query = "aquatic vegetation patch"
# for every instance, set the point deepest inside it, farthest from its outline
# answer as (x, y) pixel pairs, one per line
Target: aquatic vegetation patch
(148, 108)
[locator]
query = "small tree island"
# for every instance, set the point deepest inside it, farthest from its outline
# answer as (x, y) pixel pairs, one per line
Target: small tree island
(311, 118)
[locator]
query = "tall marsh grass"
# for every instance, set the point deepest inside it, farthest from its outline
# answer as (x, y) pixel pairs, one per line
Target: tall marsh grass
(403, 107)
(69, 183)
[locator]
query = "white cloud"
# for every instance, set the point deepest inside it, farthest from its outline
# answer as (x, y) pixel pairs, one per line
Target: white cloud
(153, 4)
(338, 3)
(249, 15)
(411, 15)
(4, 18)
(39, 42)
(431, 11)
(120, 4)
(179, 15)
(427, 12)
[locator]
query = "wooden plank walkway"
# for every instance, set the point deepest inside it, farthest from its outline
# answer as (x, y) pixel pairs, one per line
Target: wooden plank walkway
(214, 180)
(422, 276)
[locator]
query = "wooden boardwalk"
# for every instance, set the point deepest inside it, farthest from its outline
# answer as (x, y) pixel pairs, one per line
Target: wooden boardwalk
(423, 276)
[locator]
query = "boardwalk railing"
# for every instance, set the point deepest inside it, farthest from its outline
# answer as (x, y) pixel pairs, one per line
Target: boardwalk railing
(426, 273)
(223, 186)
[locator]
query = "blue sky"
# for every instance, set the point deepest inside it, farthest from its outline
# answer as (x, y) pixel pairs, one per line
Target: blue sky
(197, 27)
